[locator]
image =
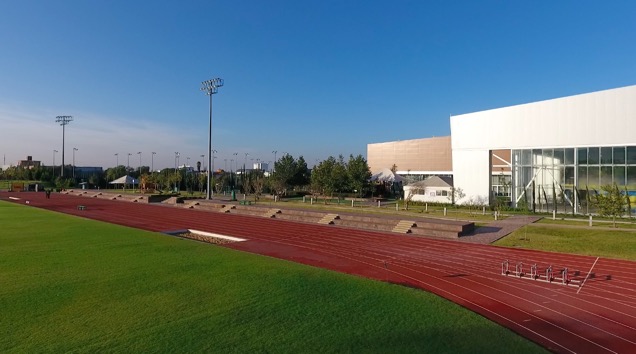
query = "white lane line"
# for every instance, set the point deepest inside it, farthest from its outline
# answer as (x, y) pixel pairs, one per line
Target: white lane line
(588, 275)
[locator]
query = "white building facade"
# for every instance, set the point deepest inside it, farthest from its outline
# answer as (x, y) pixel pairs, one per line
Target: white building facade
(561, 150)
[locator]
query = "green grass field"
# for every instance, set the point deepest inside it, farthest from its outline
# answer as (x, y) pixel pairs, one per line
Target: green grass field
(76, 285)
(591, 242)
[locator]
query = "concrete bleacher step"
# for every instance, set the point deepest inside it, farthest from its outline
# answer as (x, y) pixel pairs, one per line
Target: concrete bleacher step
(297, 217)
(190, 205)
(368, 225)
(209, 206)
(404, 226)
(227, 208)
(271, 213)
(328, 219)
(435, 233)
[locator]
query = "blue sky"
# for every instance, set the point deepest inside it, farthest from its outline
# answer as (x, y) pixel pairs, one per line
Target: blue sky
(311, 78)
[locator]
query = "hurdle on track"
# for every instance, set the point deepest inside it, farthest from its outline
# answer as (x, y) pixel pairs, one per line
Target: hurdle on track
(536, 273)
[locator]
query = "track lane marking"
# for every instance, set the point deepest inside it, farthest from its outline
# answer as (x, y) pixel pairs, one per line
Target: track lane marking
(588, 274)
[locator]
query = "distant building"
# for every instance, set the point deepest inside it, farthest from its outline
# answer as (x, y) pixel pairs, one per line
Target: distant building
(85, 171)
(29, 163)
(260, 166)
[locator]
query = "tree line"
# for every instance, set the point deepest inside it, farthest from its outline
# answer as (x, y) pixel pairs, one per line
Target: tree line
(331, 177)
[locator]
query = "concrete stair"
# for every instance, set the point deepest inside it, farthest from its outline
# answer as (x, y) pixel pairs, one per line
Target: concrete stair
(328, 219)
(271, 213)
(404, 226)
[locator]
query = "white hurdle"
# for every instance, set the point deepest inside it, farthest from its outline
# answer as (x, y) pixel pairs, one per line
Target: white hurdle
(536, 274)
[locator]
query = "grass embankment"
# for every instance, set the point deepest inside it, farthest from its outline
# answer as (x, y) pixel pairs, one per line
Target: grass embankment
(585, 241)
(76, 285)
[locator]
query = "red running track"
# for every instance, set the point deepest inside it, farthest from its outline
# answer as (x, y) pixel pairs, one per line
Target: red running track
(599, 317)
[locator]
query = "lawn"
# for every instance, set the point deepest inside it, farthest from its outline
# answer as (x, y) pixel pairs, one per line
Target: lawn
(76, 285)
(585, 241)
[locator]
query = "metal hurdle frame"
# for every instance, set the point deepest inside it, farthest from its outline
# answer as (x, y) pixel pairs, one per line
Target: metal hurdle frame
(535, 274)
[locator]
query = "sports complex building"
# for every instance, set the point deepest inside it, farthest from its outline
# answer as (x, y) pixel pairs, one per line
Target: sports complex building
(546, 155)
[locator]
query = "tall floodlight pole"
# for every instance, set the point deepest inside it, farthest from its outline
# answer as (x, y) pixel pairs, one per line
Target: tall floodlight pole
(117, 157)
(176, 158)
(54, 152)
(274, 152)
(128, 163)
(74, 149)
(63, 120)
(139, 153)
(213, 157)
(210, 87)
(152, 162)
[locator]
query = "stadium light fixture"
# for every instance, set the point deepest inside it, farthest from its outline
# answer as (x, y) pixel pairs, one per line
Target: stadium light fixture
(210, 87)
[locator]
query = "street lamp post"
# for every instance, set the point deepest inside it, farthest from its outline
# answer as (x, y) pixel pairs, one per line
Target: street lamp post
(176, 162)
(63, 120)
(210, 87)
(54, 152)
(128, 163)
(274, 152)
(117, 157)
(74, 149)
(212, 169)
(139, 153)
(203, 161)
(152, 162)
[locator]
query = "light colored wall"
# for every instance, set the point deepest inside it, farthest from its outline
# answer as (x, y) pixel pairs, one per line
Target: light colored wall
(604, 118)
(425, 195)
(418, 155)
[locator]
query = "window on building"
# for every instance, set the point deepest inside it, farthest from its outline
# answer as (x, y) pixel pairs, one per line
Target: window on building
(569, 156)
(606, 155)
(631, 155)
(619, 155)
(582, 158)
(593, 157)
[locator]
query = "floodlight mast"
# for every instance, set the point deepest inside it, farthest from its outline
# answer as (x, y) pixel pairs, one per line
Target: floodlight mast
(63, 120)
(210, 87)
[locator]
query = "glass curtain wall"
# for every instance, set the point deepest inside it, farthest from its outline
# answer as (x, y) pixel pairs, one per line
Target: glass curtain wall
(568, 179)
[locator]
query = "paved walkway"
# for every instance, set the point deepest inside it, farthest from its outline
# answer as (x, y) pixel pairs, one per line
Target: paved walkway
(498, 229)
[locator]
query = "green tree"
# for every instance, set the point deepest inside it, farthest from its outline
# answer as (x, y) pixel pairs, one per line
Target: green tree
(359, 174)
(321, 182)
(302, 176)
(289, 173)
(115, 172)
(339, 176)
(611, 202)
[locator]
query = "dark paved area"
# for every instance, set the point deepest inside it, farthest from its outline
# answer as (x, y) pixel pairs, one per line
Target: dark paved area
(498, 229)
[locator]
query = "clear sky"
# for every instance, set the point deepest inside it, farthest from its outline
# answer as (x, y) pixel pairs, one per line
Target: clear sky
(312, 78)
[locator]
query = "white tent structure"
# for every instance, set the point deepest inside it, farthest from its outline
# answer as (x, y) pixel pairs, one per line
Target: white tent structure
(434, 189)
(125, 180)
(386, 175)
